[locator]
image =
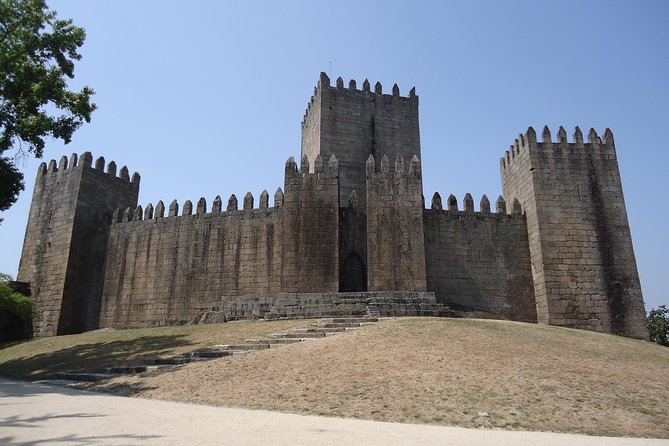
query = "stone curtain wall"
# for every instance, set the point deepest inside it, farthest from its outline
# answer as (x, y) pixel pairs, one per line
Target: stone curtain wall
(395, 237)
(585, 271)
(479, 260)
(63, 250)
(167, 270)
(353, 124)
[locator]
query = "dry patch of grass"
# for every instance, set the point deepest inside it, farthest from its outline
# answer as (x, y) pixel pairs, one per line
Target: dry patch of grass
(445, 371)
(40, 358)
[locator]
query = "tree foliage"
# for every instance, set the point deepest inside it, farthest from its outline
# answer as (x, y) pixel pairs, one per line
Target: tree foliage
(11, 183)
(15, 304)
(37, 55)
(16, 312)
(658, 325)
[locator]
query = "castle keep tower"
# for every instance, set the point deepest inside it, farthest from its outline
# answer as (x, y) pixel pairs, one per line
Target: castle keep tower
(66, 239)
(353, 124)
(583, 264)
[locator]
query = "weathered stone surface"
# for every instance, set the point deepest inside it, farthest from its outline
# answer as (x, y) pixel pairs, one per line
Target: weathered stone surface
(480, 261)
(563, 255)
(66, 237)
(584, 268)
(353, 124)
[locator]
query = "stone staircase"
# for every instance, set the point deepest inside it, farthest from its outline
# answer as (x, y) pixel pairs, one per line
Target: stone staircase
(317, 330)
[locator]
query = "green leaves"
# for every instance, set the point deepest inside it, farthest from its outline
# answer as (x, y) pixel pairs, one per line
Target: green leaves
(37, 54)
(11, 183)
(15, 304)
(658, 325)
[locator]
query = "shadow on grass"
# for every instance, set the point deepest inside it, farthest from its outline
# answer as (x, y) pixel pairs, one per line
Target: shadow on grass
(8, 344)
(91, 357)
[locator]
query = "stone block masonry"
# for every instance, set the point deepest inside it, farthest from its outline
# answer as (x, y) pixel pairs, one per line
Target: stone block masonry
(66, 237)
(168, 270)
(479, 260)
(583, 263)
(353, 124)
(395, 237)
(348, 234)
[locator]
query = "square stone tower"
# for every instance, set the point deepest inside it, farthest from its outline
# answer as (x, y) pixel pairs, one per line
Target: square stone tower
(353, 124)
(66, 240)
(583, 263)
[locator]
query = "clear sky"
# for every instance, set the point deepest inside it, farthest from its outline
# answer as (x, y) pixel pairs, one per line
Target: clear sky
(206, 97)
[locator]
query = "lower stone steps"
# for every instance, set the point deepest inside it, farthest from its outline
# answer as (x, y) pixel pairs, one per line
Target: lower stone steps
(131, 369)
(349, 320)
(298, 335)
(273, 341)
(235, 347)
(335, 325)
(323, 328)
(87, 377)
(174, 361)
(208, 354)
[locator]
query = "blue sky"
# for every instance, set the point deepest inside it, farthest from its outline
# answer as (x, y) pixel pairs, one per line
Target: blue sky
(206, 98)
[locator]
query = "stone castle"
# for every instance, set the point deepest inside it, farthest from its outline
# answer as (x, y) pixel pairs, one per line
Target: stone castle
(349, 233)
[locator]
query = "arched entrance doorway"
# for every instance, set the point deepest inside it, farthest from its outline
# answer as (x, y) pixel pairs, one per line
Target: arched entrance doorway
(355, 277)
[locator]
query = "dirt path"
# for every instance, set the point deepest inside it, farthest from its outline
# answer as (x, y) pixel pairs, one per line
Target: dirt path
(39, 414)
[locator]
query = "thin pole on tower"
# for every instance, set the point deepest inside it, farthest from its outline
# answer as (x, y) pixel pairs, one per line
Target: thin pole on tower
(330, 75)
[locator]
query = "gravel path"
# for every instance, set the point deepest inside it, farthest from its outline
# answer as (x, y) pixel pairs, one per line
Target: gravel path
(34, 414)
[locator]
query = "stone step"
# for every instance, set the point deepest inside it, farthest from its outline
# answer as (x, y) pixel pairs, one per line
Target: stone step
(237, 347)
(173, 361)
(292, 335)
(59, 382)
(131, 369)
(88, 377)
(209, 354)
(350, 320)
(272, 341)
(320, 329)
(335, 324)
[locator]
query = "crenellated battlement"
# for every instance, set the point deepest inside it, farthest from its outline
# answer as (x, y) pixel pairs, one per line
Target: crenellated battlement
(468, 206)
(150, 213)
(306, 169)
(399, 169)
(365, 92)
(86, 161)
(528, 141)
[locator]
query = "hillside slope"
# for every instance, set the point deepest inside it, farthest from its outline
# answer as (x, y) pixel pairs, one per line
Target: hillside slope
(444, 371)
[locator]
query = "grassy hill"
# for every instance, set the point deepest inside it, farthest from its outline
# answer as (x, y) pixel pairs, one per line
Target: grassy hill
(418, 370)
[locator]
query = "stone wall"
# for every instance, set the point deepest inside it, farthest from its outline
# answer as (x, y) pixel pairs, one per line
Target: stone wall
(584, 267)
(310, 239)
(63, 251)
(99, 194)
(395, 237)
(353, 124)
(479, 260)
(167, 270)
(315, 305)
